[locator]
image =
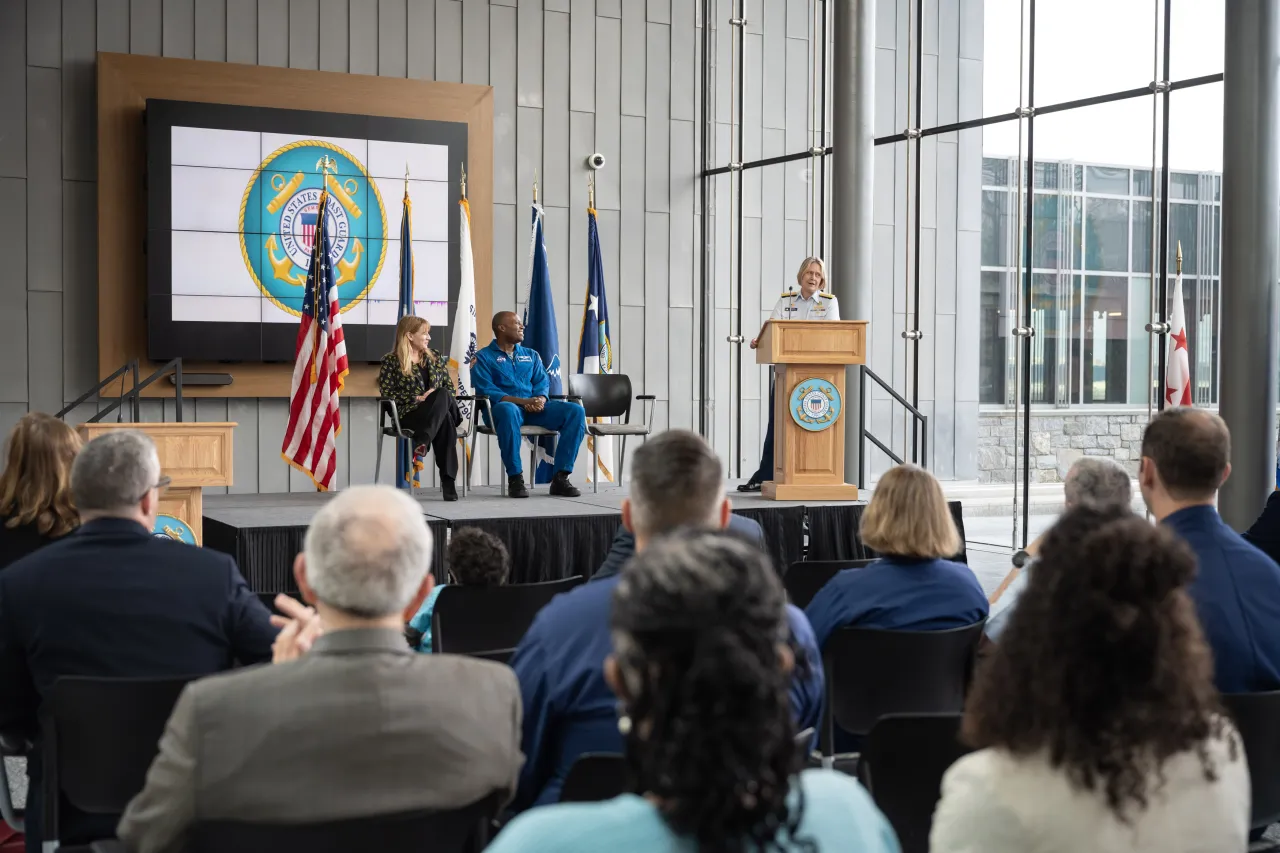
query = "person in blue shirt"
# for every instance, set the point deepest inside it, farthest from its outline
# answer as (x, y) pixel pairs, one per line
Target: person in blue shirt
(677, 480)
(1185, 453)
(475, 558)
(515, 381)
(701, 669)
(913, 586)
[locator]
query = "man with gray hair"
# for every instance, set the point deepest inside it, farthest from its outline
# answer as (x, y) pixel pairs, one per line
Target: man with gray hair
(112, 600)
(350, 722)
(1092, 481)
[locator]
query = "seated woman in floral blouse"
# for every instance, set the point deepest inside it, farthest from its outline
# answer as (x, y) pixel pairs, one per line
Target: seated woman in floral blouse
(417, 378)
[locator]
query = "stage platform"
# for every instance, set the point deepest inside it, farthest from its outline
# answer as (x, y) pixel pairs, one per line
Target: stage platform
(548, 537)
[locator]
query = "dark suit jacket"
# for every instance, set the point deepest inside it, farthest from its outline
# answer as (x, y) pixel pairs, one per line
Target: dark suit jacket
(624, 544)
(110, 600)
(18, 542)
(1265, 532)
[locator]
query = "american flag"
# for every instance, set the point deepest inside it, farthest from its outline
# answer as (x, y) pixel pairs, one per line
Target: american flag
(318, 372)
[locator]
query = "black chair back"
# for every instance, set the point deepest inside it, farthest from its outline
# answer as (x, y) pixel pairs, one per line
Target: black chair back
(469, 619)
(98, 737)
(464, 830)
(595, 776)
(803, 579)
(902, 765)
(871, 673)
(604, 395)
(1257, 718)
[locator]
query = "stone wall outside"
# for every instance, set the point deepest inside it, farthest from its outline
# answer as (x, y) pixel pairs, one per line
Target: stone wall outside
(1058, 438)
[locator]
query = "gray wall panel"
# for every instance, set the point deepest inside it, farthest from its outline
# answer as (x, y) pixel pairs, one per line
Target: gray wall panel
(44, 179)
(244, 445)
(797, 94)
(393, 24)
(609, 224)
(659, 11)
(13, 291)
(506, 246)
(564, 252)
(946, 261)
(971, 29)
(44, 351)
(43, 26)
(211, 30)
(608, 111)
(13, 90)
(582, 141)
(144, 27)
(10, 414)
(774, 61)
(928, 153)
(529, 54)
(609, 8)
(565, 6)
(684, 188)
(273, 32)
(179, 29)
(886, 119)
(334, 41)
(559, 153)
(631, 168)
(679, 390)
(582, 56)
(304, 34)
(79, 123)
(631, 355)
(633, 60)
(528, 151)
(113, 26)
(657, 268)
(683, 61)
(242, 31)
(723, 410)
(798, 19)
(449, 41)
(502, 75)
(273, 419)
(362, 36)
(657, 125)
(80, 288)
(752, 239)
(475, 42)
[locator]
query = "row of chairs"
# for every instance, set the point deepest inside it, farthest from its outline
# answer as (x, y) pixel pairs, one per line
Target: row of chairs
(601, 395)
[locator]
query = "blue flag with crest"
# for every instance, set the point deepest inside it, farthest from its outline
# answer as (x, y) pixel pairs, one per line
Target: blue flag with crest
(406, 464)
(595, 348)
(541, 335)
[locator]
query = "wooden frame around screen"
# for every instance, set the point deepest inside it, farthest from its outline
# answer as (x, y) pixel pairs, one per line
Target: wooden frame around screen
(126, 82)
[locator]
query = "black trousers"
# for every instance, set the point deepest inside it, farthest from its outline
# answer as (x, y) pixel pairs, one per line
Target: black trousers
(434, 423)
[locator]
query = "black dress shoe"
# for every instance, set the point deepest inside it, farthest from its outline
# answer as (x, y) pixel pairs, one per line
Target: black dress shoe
(561, 487)
(450, 490)
(516, 487)
(752, 485)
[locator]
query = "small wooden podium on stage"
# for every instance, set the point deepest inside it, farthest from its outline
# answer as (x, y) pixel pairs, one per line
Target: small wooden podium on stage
(193, 455)
(809, 398)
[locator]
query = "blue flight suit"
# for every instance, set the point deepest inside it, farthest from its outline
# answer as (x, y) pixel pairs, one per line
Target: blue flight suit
(521, 374)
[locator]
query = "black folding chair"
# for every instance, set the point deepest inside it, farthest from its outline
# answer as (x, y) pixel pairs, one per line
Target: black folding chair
(595, 776)
(902, 765)
(98, 737)
(389, 426)
(1257, 718)
(471, 619)
(484, 426)
(872, 672)
(803, 579)
(464, 830)
(608, 395)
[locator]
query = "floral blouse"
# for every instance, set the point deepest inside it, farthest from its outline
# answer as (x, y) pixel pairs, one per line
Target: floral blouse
(393, 383)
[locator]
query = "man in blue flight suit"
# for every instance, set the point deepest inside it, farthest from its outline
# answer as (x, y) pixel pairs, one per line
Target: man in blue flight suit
(516, 383)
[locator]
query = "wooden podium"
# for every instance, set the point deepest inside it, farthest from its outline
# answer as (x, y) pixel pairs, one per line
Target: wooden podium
(808, 431)
(193, 455)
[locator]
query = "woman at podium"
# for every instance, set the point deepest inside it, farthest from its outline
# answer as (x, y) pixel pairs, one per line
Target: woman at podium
(810, 302)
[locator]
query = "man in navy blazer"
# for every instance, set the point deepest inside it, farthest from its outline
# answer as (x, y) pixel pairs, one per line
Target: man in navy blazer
(677, 481)
(111, 600)
(623, 546)
(1185, 454)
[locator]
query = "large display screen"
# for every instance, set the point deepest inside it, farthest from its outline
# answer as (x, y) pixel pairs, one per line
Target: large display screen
(232, 209)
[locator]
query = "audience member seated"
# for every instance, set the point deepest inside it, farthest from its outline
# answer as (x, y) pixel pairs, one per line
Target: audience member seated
(1264, 534)
(701, 668)
(913, 586)
(1096, 723)
(677, 480)
(475, 558)
(35, 488)
(1185, 455)
(1097, 481)
(349, 722)
(111, 600)
(624, 544)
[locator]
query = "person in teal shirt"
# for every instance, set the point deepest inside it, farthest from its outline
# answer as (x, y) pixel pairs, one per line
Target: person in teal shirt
(474, 558)
(702, 669)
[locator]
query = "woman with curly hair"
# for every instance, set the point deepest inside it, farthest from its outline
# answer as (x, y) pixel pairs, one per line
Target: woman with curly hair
(702, 670)
(1096, 723)
(35, 488)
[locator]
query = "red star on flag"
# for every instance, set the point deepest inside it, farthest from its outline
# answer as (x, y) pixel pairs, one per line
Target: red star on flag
(1179, 340)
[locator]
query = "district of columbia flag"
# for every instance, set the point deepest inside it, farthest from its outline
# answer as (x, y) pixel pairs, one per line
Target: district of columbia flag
(319, 370)
(407, 463)
(1177, 375)
(462, 343)
(540, 335)
(595, 348)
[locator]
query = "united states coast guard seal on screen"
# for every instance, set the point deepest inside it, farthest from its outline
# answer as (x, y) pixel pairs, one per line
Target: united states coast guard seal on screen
(278, 223)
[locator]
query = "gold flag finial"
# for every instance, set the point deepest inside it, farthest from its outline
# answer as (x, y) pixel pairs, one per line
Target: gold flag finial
(406, 180)
(535, 186)
(464, 180)
(591, 191)
(327, 165)
(1179, 257)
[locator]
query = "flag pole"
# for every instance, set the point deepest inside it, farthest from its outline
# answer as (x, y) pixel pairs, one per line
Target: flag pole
(464, 180)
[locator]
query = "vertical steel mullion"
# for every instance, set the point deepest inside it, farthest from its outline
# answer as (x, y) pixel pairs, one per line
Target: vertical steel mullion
(822, 161)
(704, 231)
(1165, 221)
(742, 63)
(1026, 342)
(915, 325)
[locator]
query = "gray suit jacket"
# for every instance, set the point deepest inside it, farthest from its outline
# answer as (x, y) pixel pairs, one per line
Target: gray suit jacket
(361, 725)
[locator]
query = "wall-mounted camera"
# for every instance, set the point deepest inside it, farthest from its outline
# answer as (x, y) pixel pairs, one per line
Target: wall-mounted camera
(595, 162)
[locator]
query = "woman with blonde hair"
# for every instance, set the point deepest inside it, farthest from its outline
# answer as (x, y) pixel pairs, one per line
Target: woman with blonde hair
(811, 302)
(417, 378)
(35, 487)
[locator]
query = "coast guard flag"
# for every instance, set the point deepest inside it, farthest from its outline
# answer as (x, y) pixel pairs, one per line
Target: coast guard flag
(406, 462)
(1177, 371)
(320, 366)
(595, 349)
(540, 334)
(462, 345)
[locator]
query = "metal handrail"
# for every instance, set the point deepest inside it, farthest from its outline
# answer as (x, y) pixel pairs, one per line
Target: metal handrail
(131, 365)
(133, 394)
(915, 413)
